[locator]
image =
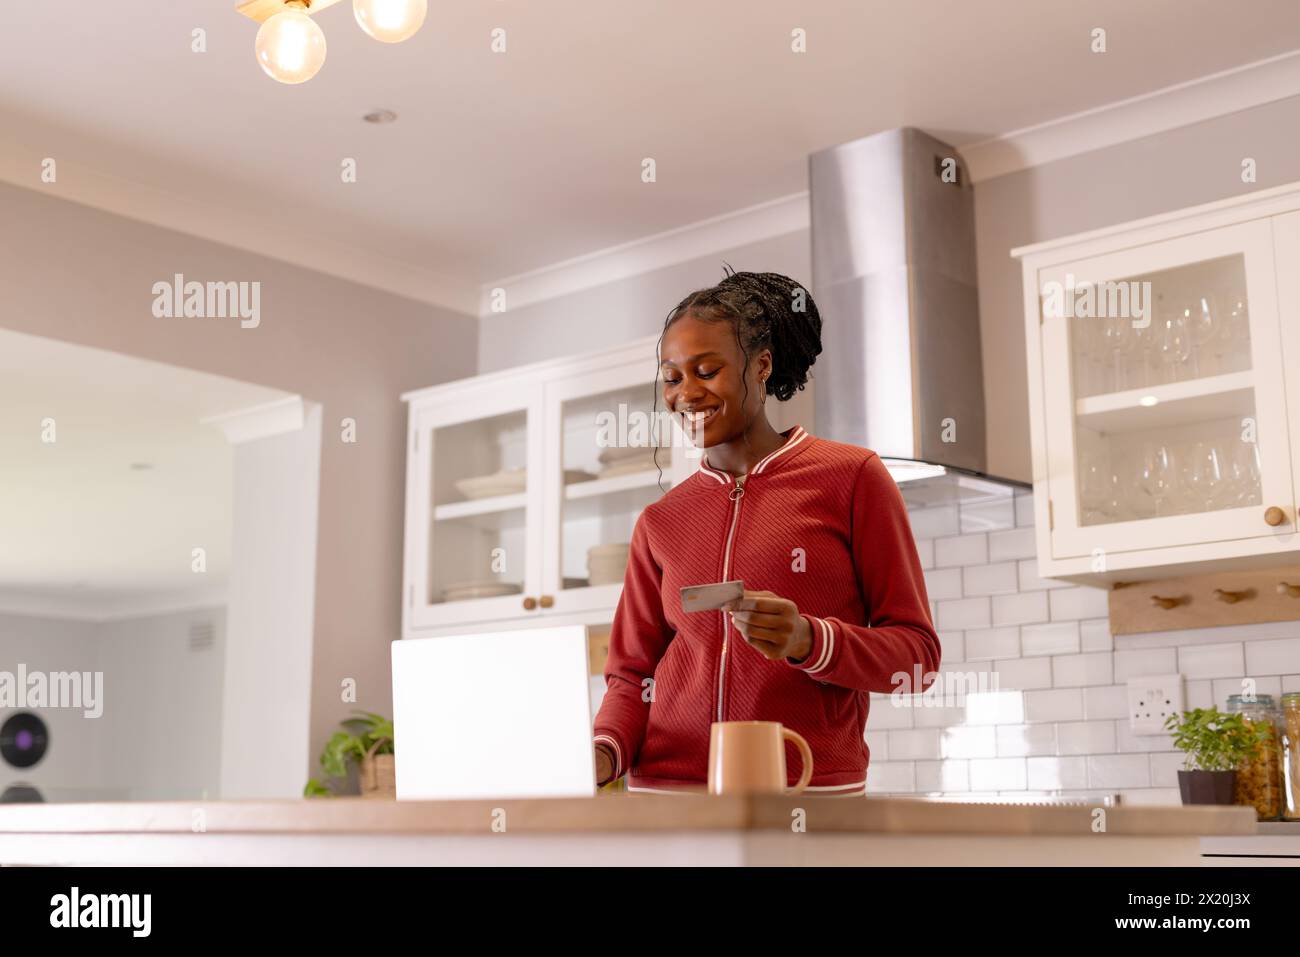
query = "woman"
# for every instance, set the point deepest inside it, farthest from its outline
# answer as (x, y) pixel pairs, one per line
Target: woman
(834, 604)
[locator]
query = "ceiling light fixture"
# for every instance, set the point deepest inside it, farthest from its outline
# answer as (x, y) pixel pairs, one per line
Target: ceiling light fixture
(390, 21)
(290, 46)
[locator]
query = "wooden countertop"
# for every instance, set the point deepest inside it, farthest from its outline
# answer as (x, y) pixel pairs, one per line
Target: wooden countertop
(613, 813)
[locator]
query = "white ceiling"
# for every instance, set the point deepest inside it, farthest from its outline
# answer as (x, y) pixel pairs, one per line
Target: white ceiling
(82, 533)
(501, 164)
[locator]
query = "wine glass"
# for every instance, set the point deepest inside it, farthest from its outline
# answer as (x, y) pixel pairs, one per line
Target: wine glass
(1202, 317)
(1173, 342)
(1204, 470)
(1244, 473)
(1117, 332)
(1157, 476)
(1098, 487)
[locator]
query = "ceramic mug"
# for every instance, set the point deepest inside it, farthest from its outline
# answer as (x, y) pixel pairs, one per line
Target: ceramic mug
(748, 757)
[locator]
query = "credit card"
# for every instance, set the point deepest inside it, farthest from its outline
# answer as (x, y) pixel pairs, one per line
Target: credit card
(711, 597)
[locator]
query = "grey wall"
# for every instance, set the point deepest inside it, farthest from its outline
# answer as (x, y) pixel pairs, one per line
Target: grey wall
(611, 314)
(74, 273)
(161, 734)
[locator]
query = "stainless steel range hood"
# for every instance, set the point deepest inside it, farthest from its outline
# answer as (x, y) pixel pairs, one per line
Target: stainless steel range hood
(893, 269)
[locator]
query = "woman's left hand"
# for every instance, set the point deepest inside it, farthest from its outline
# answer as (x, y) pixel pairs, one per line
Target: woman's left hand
(772, 624)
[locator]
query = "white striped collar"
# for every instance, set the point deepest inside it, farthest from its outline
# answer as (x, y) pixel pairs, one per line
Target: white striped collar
(796, 436)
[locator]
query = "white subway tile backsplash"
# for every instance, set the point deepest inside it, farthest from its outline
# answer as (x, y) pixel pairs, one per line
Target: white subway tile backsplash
(1059, 704)
(938, 717)
(1198, 694)
(988, 516)
(1211, 661)
(885, 715)
(1030, 580)
(934, 522)
(1223, 687)
(1280, 657)
(1127, 741)
(1061, 638)
(1119, 771)
(995, 707)
(962, 614)
(1013, 544)
(925, 552)
(961, 550)
(1057, 774)
(1026, 740)
(891, 777)
(1165, 767)
(997, 579)
(987, 643)
(877, 745)
(1264, 631)
(941, 776)
(1024, 673)
(1290, 683)
(913, 745)
(1081, 601)
(1085, 737)
(1069, 671)
(943, 583)
(970, 742)
(998, 774)
(1150, 661)
(1106, 702)
(953, 645)
(1095, 635)
(1024, 608)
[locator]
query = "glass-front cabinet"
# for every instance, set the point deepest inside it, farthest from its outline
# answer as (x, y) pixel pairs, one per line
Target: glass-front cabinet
(523, 489)
(1159, 395)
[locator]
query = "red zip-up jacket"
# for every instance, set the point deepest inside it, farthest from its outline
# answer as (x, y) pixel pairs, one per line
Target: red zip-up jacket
(817, 522)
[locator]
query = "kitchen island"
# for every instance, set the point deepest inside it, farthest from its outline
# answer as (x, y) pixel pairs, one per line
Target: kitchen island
(612, 829)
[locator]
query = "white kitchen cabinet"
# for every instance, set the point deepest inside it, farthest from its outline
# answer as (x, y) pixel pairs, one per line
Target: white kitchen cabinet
(512, 550)
(1164, 378)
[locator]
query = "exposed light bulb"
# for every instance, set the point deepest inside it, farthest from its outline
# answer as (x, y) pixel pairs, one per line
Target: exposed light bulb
(391, 21)
(290, 47)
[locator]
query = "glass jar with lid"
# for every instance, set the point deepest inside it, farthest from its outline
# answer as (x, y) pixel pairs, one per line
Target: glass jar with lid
(1291, 756)
(1259, 781)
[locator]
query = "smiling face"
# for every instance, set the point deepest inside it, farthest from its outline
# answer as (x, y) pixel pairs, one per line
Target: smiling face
(705, 376)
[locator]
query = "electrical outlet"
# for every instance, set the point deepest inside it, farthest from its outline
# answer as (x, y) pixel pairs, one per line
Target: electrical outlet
(1152, 699)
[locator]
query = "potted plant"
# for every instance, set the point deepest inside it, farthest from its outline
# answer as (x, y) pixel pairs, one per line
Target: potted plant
(1217, 744)
(366, 742)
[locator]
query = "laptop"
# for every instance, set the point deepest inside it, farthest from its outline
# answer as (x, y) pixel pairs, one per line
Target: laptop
(503, 714)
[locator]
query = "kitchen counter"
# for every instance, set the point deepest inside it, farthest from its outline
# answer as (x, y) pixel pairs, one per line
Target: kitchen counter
(633, 829)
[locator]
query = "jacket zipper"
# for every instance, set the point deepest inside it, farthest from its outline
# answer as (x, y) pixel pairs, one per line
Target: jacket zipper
(736, 494)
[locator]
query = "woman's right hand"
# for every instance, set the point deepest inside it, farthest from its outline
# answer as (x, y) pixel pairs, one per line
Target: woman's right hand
(604, 766)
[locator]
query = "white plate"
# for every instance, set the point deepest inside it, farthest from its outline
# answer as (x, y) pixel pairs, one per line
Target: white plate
(505, 482)
(464, 591)
(620, 453)
(629, 468)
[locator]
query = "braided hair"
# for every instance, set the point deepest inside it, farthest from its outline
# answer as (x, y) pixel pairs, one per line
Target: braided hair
(767, 311)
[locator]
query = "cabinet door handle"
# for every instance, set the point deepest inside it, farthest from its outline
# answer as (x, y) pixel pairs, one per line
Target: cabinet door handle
(1166, 603)
(1286, 588)
(530, 603)
(548, 601)
(1232, 597)
(1274, 516)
